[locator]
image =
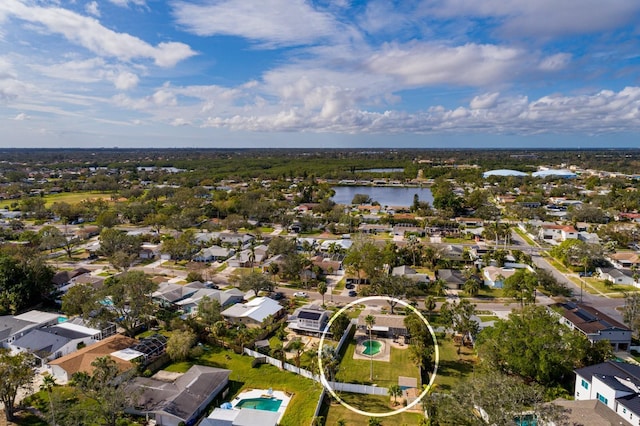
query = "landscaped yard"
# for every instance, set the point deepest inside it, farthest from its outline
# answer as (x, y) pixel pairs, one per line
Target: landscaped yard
(385, 374)
(305, 392)
(453, 368)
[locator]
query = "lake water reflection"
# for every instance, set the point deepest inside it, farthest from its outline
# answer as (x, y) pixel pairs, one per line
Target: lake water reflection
(385, 195)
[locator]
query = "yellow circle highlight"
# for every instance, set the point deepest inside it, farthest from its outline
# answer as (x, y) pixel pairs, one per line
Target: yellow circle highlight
(327, 386)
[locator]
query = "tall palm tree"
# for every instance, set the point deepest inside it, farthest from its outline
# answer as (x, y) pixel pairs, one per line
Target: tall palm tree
(370, 320)
(322, 289)
(48, 382)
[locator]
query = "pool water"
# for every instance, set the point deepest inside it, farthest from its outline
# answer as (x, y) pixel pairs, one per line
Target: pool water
(265, 404)
(372, 347)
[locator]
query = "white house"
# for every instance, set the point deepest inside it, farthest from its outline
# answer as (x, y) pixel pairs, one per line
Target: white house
(619, 276)
(309, 319)
(254, 312)
(56, 341)
(14, 327)
(614, 384)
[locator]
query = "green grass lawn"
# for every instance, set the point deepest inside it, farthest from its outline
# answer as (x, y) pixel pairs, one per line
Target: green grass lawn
(485, 318)
(599, 285)
(371, 404)
(305, 392)
(453, 367)
(385, 374)
(489, 292)
(74, 197)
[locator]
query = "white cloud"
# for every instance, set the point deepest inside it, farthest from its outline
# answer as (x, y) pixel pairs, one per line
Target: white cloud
(126, 3)
(92, 8)
(89, 33)
(21, 117)
(542, 18)
(555, 62)
(471, 64)
(126, 81)
(488, 100)
(599, 113)
(273, 22)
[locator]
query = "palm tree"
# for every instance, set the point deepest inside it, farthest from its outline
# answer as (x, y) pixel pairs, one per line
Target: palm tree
(298, 347)
(430, 305)
(471, 287)
(322, 289)
(48, 382)
(370, 320)
(395, 391)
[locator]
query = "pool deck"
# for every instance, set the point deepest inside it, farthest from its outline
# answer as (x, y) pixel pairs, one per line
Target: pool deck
(385, 351)
(264, 393)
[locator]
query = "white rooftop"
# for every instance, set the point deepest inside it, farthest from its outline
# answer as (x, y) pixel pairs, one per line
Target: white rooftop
(127, 354)
(37, 317)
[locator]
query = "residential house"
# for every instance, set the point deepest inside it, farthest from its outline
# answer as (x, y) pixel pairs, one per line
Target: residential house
(63, 278)
(557, 233)
(80, 361)
(385, 324)
(343, 244)
(594, 324)
(242, 417)
(181, 401)
(410, 273)
(254, 312)
(13, 327)
(494, 276)
(620, 276)
(408, 228)
(470, 222)
(453, 278)
(55, 341)
(624, 259)
(374, 228)
(214, 254)
(189, 305)
(613, 384)
(169, 294)
(149, 251)
(328, 266)
(235, 238)
(309, 319)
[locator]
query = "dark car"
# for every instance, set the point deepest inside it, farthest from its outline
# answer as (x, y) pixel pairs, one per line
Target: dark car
(350, 286)
(277, 296)
(353, 293)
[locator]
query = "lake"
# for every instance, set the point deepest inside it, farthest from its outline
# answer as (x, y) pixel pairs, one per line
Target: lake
(385, 195)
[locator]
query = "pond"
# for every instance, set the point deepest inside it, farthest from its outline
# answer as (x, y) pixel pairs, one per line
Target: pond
(385, 195)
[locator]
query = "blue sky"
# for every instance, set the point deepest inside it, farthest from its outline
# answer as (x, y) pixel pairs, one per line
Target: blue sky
(324, 73)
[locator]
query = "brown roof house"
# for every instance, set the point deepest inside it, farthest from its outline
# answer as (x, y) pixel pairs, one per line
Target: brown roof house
(594, 324)
(63, 368)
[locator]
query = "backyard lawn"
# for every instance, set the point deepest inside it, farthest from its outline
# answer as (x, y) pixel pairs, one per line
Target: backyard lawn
(305, 392)
(385, 374)
(371, 404)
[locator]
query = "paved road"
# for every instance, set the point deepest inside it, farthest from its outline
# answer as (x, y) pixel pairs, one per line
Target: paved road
(610, 306)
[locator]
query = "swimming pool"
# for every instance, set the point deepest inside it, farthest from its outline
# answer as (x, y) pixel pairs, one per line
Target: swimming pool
(372, 347)
(265, 404)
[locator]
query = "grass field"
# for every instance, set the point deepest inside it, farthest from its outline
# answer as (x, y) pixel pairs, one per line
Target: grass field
(75, 197)
(305, 392)
(385, 374)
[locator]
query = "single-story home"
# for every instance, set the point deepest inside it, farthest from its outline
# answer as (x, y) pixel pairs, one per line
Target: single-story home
(454, 278)
(214, 254)
(254, 312)
(385, 324)
(494, 276)
(242, 417)
(182, 400)
(618, 276)
(408, 272)
(13, 327)
(168, 294)
(63, 368)
(224, 297)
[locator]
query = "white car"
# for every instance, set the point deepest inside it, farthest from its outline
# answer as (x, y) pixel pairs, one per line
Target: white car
(300, 294)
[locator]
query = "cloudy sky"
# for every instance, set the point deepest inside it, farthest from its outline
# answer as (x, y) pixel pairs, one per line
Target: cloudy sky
(322, 73)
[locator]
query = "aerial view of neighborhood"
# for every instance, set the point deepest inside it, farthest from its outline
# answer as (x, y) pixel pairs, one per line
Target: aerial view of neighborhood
(319, 287)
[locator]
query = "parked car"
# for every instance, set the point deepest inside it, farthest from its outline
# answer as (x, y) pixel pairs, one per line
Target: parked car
(277, 295)
(353, 293)
(350, 286)
(300, 294)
